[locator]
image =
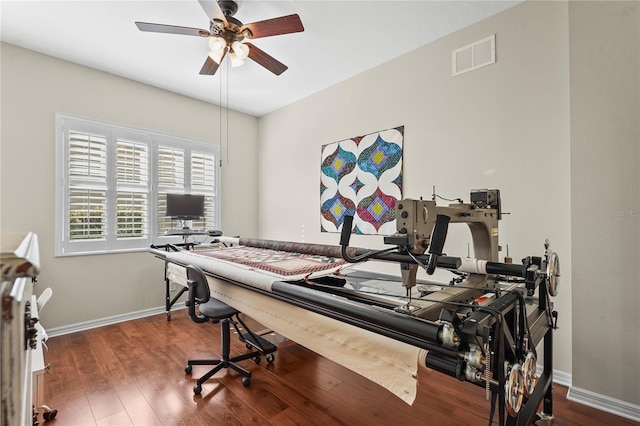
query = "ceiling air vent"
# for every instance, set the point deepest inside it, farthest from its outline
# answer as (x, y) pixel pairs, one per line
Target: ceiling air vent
(475, 55)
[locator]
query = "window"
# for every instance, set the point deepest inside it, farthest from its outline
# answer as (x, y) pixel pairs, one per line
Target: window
(113, 184)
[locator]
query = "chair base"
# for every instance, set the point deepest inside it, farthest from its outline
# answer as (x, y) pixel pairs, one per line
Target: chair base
(251, 340)
(219, 365)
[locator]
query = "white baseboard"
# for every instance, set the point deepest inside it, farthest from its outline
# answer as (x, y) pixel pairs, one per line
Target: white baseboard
(559, 377)
(562, 378)
(73, 328)
(604, 403)
(594, 400)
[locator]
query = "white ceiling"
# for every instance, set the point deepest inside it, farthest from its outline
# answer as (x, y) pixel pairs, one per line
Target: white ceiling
(341, 39)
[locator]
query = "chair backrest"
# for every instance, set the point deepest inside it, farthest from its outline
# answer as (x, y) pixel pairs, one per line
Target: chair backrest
(198, 291)
(198, 284)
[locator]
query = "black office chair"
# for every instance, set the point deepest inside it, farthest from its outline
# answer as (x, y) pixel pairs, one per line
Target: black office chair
(217, 311)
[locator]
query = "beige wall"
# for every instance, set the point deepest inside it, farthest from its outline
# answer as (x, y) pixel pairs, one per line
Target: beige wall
(35, 87)
(605, 211)
(504, 126)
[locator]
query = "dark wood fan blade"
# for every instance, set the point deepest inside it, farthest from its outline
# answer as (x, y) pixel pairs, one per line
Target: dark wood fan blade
(171, 29)
(276, 26)
(210, 66)
(213, 11)
(266, 60)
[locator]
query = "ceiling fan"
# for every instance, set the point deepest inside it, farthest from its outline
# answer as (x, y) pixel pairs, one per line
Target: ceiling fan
(226, 35)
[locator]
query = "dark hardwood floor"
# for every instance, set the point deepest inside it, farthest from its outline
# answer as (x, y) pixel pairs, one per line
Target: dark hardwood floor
(132, 373)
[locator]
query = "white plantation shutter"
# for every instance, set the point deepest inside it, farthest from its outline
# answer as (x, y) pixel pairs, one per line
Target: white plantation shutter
(87, 177)
(164, 222)
(88, 156)
(133, 162)
(203, 182)
(132, 216)
(171, 167)
(202, 171)
(171, 179)
(87, 214)
(114, 181)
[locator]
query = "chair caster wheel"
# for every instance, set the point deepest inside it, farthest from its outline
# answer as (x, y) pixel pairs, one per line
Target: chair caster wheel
(256, 359)
(49, 415)
(246, 381)
(248, 346)
(197, 389)
(188, 369)
(270, 358)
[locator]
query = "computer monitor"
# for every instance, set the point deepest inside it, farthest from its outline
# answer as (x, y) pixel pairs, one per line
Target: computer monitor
(185, 206)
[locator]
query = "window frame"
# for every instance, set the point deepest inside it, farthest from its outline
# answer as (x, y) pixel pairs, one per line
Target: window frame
(112, 132)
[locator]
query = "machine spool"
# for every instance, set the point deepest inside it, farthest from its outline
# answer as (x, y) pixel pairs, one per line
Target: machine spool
(507, 258)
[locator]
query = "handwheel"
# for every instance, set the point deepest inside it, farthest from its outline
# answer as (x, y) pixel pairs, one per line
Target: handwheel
(270, 358)
(246, 381)
(529, 372)
(553, 274)
(197, 389)
(514, 390)
(188, 369)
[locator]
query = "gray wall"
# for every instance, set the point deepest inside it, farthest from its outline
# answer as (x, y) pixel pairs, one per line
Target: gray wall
(605, 197)
(35, 87)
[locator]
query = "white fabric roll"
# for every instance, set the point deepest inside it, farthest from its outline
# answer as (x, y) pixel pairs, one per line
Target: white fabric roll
(388, 362)
(473, 266)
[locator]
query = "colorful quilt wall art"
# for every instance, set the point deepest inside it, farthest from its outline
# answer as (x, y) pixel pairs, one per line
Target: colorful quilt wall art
(362, 177)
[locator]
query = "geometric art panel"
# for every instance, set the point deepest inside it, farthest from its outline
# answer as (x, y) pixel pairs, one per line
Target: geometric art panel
(362, 177)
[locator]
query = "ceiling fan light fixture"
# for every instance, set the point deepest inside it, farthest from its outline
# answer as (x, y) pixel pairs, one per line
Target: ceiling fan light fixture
(241, 50)
(218, 45)
(236, 60)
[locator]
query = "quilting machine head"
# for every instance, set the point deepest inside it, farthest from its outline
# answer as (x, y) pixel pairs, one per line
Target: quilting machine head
(422, 226)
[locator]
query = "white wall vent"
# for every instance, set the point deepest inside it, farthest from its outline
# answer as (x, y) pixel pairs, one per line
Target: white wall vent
(475, 55)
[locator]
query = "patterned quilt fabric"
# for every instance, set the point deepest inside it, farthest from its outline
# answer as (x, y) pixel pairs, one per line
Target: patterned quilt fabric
(282, 263)
(362, 177)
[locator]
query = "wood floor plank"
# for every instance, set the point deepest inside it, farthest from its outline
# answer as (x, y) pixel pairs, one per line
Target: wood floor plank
(104, 404)
(120, 418)
(133, 373)
(292, 417)
(291, 394)
(136, 406)
(245, 413)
